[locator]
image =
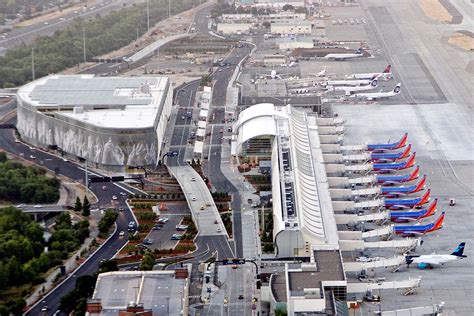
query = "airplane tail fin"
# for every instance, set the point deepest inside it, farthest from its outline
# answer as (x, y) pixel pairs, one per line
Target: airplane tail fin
(438, 224)
(411, 161)
(414, 175)
(397, 88)
(387, 69)
(409, 259)
(431, 208)
(458, 252)
(359, 50)
(425, 198)
(406, 152)
(420, 185)
(402, 142)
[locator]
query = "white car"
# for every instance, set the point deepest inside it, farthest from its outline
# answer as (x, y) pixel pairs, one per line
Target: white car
(32, 157)
(114, 197)
(123, 194)
(193, 179)
(122, 233)
(38, 206)
(193, 198)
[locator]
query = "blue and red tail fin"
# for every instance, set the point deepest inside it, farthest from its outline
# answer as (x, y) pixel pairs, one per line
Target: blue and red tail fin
(387, 69)
(438, 224)
(415, 174)
(406, 152)
(431, 209)
(459, 251)
(425, 198)
(402, 142)
(420, 185)
(411, 161)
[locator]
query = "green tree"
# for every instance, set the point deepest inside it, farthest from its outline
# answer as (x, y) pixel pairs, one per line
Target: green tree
(148, 261)
(3, 157)
(108, 265)
(86, 207)
(78, 205)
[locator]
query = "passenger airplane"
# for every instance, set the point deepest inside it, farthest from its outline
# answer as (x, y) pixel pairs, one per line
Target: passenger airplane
(344, 56)
(392, 191)
(394, 166)
(351, 90)
(379, 95)
(322, 73)
(397, 204)
(420, 229)
(379, 157)
(429, 261)
(273, 75)
(406, 216)
(385, 75)
(389, 146)
(399, 178)
(354, 83)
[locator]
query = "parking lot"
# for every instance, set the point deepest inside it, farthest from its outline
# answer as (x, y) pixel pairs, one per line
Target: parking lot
(162, 237)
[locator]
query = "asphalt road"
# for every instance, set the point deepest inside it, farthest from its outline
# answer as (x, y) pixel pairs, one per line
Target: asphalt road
(74, 171)
(30, 33)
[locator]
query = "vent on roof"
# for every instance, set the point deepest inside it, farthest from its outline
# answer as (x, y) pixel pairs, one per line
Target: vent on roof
(78, 110)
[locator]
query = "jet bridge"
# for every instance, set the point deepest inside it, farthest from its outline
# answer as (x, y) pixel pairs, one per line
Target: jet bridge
(345, 182)
(358, 235)
(354, 266)
(402, 245)
(342, 159)
(344, 219)
(407, 286)
(352, 194)
(340, 206)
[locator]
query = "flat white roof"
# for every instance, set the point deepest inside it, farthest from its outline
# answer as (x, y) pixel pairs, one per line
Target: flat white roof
(198, 147)
(200, 132)
(202, 124)
(110, 102)
(203, 113)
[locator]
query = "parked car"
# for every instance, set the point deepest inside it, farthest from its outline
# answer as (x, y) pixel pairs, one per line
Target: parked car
(176, 237)
(122, 233)
(148, 241)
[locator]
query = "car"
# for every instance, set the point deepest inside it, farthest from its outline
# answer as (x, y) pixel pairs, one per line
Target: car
(44, 308)
(46, 23)
(219, 230)
(208, 203)
(62, 19)
(122, 233)
(148, 241)
(181, 227)
(114, 197)
(38, 206)
(20, 205)
(121, 209)
(163, 220)
(216, 222)
(176, 237)
(220, 69)
(156, 227)
(17, 141)
(65, 160)
(221, 131)
(234, 266)
(193, 179)
(104, 188)
(241, 297)
(202, 208)
(123, 194)
(193, 198)
(32, 157)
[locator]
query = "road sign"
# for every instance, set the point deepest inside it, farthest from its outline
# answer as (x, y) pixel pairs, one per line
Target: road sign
(233, 261)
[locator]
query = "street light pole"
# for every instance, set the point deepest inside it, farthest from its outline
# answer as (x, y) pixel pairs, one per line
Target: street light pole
(33, 63)
(84, 42)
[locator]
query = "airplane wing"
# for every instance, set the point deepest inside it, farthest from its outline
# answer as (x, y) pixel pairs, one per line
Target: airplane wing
(410, 232)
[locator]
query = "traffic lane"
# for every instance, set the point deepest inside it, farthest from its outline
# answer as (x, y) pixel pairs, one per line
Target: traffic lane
(29, 33)
(219, 243)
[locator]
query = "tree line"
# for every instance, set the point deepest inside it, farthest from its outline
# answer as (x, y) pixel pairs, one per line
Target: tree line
(23, 259)
(26, 184)
(65, 48)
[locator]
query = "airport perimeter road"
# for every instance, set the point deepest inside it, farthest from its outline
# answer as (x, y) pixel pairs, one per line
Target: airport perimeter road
(74, 172)
(30, 33)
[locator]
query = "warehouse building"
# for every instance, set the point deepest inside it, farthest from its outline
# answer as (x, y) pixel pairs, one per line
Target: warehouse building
(291, 27)
(233, 28)
(111, 122)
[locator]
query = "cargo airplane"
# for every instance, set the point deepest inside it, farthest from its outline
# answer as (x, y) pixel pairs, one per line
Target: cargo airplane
(379, 95)
(420, 229)
(429, 261)
(385, 75)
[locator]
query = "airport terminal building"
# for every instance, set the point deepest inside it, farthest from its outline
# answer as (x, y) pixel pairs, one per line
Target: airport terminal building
(111, 122)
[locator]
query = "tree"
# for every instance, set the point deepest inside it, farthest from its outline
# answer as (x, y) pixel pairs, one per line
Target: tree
(86, 207)
(78, 205)
(3, 157)
(288, 7)
(108, 265)
(148, 261)
(266, 24)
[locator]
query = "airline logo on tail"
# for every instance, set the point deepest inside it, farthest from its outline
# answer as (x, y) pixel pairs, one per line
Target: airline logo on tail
(387, 69)
(459, 251)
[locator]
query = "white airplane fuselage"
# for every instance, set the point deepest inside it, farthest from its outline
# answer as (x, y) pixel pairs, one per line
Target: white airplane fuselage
(342, 56)
(381, 75)
(435, 259)
(348, 82)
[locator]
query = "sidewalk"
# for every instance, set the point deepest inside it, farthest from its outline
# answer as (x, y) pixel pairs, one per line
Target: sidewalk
(71, 263)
